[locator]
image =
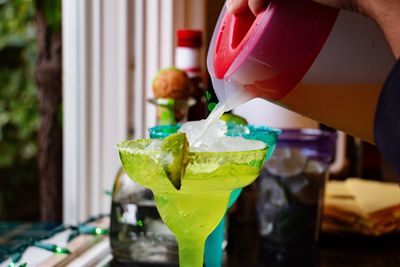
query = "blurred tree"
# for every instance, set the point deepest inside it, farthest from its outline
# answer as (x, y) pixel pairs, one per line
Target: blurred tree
(18, 111)
(30, 33)
(48, 74)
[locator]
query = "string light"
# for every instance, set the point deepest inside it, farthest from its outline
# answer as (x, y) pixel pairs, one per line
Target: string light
(99, 231)
(53, 248)
(16, 253)
(14, 264)
(15, 259)
(91, 230)
(60, 250)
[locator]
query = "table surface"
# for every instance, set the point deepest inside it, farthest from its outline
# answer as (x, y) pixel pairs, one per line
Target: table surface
(333, 251)
(244, 249)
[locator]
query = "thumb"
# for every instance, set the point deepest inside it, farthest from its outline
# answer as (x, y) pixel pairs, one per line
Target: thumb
(236, 6)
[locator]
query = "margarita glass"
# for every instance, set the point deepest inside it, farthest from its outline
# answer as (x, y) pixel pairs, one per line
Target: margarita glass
(195, 210)
(268, 135)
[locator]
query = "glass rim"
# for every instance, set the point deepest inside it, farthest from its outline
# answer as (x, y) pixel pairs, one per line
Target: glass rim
(122, 146)
(296, 134)
(156, 130)
(173, 103)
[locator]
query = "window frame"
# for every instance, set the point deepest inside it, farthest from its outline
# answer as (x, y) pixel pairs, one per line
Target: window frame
(107, 76)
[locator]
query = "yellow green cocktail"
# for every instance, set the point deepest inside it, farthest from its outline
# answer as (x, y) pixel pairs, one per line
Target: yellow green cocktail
(193, 211)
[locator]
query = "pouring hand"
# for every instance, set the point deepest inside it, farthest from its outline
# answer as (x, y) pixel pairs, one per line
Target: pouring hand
(366, 7)
(385, 12)
(237, 6)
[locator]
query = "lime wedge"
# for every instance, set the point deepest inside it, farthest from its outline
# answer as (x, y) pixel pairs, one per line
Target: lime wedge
(174, 152)
(229, 117)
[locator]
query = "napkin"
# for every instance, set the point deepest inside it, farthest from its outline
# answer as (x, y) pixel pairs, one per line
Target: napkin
(361, 206)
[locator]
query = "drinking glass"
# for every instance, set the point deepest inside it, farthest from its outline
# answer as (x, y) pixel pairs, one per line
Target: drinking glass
(269, 135)
(290, 196)
(209, 180)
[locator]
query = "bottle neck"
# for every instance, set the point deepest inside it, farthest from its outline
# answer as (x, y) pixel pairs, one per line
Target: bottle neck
(188, 60)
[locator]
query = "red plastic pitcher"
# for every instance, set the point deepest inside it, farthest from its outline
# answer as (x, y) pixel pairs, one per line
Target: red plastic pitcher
(267, 55)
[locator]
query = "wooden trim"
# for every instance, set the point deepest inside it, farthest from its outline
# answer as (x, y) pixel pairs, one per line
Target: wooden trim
(96, 123)
(152, 55)
(73, 85)
(114, 92)
(138, 60)
(155, 25)
(167, 34)
(106, 53)
(96, 98)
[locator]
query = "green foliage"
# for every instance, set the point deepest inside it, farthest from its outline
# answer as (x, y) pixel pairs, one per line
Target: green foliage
(52, 11)
(18, 101)
(19, 116)
(16, 22)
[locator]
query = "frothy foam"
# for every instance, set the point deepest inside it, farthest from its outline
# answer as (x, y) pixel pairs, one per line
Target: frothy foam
(213, 138)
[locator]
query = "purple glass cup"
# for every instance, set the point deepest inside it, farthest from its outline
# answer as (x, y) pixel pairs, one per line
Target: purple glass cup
(290, 194)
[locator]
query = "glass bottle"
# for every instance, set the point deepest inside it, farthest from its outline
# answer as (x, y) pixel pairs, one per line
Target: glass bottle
(187, 58)
(138, 236)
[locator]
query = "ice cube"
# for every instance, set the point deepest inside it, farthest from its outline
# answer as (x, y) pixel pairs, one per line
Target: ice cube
(314, 167)
(154, 145)
(272, 194)
(213, 138)
(286, 162)
(272, 200)
(241, 144)
(238, 130)
(208, 132)
(296, 183)
(315, 174)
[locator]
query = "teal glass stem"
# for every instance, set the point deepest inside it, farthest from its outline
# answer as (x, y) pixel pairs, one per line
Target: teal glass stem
(213, 247)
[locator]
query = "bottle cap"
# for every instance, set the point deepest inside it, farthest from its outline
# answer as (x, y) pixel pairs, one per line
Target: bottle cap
(189, 38)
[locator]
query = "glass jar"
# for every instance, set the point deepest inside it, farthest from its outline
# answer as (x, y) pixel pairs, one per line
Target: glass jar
(138, 236)
(137, 233)
(290, 194)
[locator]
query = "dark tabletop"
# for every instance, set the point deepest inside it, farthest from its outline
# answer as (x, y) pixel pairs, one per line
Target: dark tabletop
(247, 249)
(332, 251)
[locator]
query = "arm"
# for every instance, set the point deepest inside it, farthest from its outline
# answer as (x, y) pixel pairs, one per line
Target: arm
(386, 13)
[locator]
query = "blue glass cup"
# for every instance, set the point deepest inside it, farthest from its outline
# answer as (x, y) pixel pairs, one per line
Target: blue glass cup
(268, 135)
